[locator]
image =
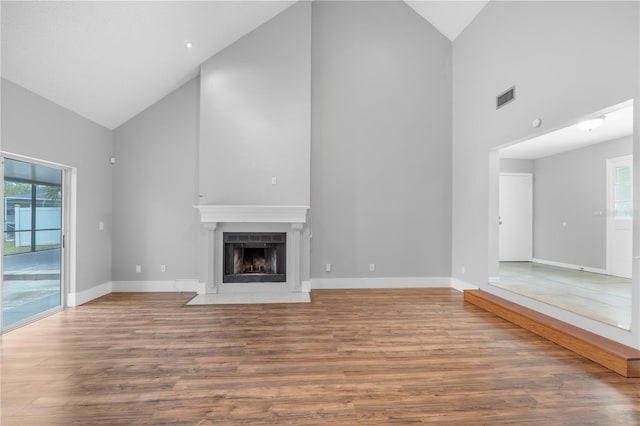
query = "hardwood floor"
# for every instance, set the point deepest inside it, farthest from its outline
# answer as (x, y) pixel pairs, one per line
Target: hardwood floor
(615, 356)
(350, 357)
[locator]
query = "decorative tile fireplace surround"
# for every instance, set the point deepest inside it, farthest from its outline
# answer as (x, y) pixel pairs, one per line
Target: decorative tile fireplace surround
(220, 219)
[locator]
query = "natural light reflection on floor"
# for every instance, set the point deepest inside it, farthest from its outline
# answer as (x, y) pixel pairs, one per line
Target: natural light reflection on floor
(603, 298)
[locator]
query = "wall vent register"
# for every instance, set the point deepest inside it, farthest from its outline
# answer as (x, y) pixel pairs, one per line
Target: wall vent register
(506, 97)
(254, 257)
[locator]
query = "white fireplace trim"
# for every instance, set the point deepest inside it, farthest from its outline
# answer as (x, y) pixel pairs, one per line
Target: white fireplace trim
(213, 217)
(252, 214)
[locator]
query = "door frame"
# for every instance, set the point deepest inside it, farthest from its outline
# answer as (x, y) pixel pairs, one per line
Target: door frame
(68, 226)
(611, 209)
(530, 208)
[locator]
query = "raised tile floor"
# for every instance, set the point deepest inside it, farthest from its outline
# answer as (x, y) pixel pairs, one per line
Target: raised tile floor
(603, 298)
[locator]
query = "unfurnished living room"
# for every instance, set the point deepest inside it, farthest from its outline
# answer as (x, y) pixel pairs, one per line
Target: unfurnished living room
(320, 212)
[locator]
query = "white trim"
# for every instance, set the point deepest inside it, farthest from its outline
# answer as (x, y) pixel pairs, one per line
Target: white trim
(305, 286)
(34, 160)
(378, 282)
(570, 266)
(177, 286)
(252, 214)
(186, 285)
(84, 296)
(462, 285)
(494, 279)
(69, 258)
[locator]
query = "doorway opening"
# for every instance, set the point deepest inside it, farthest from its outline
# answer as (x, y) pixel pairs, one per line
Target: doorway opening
(582, 217)
(33, 282)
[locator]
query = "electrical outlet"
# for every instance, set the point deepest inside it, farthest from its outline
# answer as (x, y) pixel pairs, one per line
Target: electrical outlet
(163, 268)
(101, 226)
(274, 180)
(138, 268)
(372, 267)
(463, 269)
(327, 267)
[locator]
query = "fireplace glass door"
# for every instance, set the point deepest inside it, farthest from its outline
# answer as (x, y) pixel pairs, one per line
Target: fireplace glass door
(254, 257)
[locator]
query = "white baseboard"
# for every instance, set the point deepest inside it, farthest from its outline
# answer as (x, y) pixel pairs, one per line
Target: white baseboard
(84, 296)
(180, 285)
(189, 285)
(377, 282)
(462, 285)
(570, 266)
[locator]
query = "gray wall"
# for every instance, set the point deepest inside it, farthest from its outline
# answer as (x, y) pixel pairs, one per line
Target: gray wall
(35, 127)
(255, 115)
(381, 142)
(155, 189)
(551, 69)
(514, 165)
(568, 188)
(567, 60)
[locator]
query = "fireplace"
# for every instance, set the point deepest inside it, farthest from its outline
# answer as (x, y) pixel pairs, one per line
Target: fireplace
(251, 257)
(283, 224)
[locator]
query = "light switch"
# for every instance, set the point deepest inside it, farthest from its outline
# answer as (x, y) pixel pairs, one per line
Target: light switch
(274, 180)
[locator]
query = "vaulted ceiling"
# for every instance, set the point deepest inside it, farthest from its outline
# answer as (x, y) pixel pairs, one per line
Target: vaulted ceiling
(108, 61)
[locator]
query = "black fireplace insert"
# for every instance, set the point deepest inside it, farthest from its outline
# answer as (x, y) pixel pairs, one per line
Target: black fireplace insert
(251, 257)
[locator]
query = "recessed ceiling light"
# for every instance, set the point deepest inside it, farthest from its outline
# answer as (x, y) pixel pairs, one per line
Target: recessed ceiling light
(589, 125)
(188, 44)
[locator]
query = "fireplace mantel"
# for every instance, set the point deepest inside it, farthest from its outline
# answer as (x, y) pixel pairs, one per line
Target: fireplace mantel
(252, 214)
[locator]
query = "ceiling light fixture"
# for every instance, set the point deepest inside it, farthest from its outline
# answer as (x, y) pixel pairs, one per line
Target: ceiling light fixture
(589, 125)
(188, 44)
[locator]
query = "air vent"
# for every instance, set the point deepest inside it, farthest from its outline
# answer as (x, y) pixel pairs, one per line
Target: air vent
(506, 97)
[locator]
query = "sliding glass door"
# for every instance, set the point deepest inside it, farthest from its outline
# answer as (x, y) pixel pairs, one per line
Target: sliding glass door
(32, 251)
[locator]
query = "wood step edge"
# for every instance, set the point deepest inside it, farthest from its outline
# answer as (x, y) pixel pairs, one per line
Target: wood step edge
(615, 356)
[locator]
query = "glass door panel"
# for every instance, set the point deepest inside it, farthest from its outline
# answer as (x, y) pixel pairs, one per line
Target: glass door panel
(32, 254)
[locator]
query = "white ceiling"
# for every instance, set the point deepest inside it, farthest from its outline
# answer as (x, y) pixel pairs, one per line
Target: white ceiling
(108, 61)
(617, 124)
(449, 17)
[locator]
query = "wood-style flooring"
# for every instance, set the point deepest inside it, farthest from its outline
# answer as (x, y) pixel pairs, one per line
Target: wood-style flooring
(368, 357)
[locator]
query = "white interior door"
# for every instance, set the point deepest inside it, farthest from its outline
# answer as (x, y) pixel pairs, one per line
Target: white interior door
(516, 217)
(620, 216)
